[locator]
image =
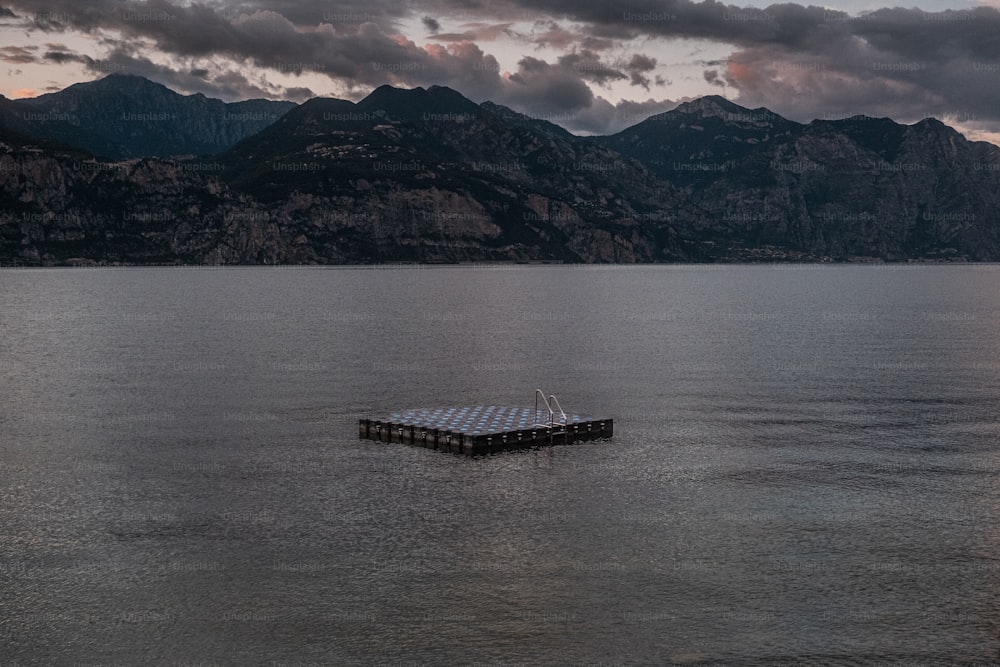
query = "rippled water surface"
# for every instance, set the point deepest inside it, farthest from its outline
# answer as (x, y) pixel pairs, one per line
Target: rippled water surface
(804, 468)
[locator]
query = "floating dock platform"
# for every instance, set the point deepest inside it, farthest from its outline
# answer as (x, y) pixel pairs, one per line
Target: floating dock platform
(485, 429)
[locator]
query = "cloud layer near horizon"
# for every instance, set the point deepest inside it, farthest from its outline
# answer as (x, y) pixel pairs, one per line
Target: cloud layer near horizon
(801, 61)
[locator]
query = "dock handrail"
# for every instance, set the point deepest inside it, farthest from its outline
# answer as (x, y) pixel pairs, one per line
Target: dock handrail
(539, 392)
(548, 407)
(552, 397)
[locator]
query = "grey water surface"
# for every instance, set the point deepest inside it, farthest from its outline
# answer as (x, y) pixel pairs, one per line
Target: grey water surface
(804, 468)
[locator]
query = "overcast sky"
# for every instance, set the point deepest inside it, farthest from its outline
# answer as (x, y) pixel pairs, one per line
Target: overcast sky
(593, 66)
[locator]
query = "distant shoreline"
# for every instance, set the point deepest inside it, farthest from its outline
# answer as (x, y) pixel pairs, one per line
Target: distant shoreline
(895, 264)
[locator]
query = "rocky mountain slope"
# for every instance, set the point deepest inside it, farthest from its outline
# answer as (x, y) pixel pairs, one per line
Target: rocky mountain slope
(382, 180)
(852, 188)
(428, 175)
(440, 176)
(122, 116)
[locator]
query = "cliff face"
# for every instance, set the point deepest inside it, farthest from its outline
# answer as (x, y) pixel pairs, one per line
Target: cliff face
(850, 189)
(427, 175)
(65, 209)
(442, 179)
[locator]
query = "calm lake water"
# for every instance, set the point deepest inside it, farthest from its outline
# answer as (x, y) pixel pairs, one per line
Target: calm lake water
(804, 468)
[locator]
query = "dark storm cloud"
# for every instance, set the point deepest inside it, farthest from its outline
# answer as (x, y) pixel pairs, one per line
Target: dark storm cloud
(298, 94)
(901, 63)
(712, 77)
(364, 55)
(548, 33)
(547, 89)
(802, 61)
(18, 55)
(588, 66)
(340, 13)
(225, 84)
(477, 32)
(603, 117)
(785, 23)
(637, 68)
(908, 32)
(810, 61)
(61, 57)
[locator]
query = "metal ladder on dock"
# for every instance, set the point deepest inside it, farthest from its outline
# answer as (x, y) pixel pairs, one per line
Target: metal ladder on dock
(552, 423)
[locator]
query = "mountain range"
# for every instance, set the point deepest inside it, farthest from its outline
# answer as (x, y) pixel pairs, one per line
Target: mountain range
(123, 170)
(124, 116)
